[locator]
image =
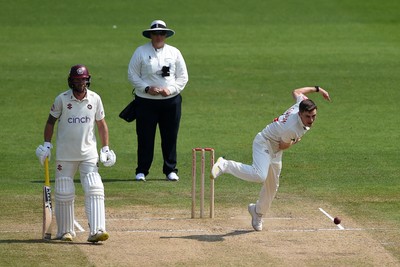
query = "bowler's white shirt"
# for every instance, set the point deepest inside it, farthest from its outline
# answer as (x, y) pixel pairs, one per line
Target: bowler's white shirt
(287, 127)
(76, 138)
(145, 70)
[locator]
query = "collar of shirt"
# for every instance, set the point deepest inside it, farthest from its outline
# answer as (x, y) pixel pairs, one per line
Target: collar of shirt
(72, 97)
(305, 128)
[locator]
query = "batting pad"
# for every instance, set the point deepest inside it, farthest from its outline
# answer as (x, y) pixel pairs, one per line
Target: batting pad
(94, 202)
(64, 198)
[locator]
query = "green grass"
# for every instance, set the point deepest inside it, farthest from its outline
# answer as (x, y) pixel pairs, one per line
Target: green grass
(242, 66)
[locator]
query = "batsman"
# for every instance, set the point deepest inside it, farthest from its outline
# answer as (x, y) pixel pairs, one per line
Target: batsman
(78, 110)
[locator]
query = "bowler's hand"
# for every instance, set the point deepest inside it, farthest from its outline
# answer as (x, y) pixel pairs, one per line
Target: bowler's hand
(325, 94)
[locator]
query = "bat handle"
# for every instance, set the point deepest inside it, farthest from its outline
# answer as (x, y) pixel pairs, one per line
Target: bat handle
(46, 172)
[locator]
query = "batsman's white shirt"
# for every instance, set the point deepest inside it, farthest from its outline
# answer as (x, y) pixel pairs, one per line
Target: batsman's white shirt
(76, 138)
(145, 70)
(287, 127)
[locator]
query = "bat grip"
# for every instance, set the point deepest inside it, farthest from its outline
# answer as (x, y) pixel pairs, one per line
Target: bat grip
(46, 172)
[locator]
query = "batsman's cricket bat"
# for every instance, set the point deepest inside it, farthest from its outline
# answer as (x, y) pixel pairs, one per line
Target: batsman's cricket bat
(47, 207)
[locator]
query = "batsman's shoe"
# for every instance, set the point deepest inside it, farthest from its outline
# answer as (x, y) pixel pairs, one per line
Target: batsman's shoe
(217, 169)
(140, 177)
(66, 237)
(99, 236)
(173, 177)
(256, 219)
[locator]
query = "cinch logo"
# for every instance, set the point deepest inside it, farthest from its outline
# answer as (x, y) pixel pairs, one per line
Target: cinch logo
(79, 120)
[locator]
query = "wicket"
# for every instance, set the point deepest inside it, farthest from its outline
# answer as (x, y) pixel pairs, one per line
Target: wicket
(202, 182)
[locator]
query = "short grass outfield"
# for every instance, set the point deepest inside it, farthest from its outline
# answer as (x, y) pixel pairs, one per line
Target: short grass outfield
(243, 58)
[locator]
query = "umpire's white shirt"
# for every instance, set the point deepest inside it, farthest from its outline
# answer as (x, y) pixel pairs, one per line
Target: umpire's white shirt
(145, 70)
(287, 127)
(76, 138)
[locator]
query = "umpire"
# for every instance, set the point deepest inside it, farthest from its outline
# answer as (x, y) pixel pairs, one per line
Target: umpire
(158, 73)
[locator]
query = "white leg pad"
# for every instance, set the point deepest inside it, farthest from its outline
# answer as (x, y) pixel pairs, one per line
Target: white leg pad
(94, 202)
(64, 198)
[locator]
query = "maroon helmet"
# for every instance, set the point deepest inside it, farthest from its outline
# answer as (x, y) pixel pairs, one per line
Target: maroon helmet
(78, 71)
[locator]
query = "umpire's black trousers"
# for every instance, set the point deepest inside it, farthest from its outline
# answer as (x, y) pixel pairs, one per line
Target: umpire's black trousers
(166, 114)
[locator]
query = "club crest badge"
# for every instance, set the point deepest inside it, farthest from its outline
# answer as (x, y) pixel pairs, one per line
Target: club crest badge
(80, 71)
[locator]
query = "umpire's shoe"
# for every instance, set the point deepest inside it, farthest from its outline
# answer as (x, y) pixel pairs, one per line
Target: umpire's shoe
(173, 177)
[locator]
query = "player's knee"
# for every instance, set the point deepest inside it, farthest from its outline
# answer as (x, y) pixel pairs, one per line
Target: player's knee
(64, 189)
(259, 175)
(93, 185)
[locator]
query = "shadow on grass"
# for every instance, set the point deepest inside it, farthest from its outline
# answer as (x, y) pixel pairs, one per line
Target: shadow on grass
(116, 180)
(42, 241)
(210, 238)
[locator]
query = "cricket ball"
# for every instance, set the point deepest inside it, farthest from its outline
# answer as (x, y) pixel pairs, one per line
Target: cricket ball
(337, 220)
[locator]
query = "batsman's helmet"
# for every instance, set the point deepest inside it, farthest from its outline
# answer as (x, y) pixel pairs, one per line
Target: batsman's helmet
(78, 72)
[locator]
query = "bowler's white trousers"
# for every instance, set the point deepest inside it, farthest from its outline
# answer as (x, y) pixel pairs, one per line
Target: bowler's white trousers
(266, 169)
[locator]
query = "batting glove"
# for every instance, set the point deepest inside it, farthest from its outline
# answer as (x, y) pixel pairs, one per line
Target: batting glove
(107, 156)
(44, 151)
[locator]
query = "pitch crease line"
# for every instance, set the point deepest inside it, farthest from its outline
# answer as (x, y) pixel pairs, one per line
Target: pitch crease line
(147, 219)
(330, 217)
(77, 225)
(162, 231)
